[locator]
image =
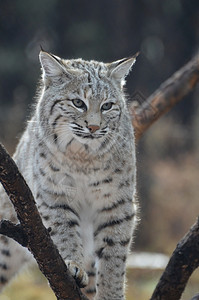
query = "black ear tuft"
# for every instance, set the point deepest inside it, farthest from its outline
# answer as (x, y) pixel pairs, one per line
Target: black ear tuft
(41, 48)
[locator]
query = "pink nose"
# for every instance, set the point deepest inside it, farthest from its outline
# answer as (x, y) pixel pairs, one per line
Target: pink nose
(93, 128)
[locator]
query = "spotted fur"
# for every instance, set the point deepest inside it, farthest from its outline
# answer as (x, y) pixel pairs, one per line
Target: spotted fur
(78, 156)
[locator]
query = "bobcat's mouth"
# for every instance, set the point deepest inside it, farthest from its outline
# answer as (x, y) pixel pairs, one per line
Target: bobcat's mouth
(84, 135)
(88, 136)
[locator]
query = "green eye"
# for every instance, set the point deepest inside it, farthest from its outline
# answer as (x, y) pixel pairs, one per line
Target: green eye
(107, 106)
(79, 104)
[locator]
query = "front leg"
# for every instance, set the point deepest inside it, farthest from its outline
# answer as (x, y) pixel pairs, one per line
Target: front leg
(63, 222)
(113, 240)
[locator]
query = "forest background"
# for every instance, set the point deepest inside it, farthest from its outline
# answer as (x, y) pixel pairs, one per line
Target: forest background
(167, 35)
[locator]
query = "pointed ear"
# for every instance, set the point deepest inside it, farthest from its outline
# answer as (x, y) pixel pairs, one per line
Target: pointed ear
(51, 65)
(119, 69)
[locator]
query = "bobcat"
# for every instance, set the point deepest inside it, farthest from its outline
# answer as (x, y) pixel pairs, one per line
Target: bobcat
(77, 154)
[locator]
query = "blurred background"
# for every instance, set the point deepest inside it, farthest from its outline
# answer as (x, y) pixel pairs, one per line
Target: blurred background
(167, 35)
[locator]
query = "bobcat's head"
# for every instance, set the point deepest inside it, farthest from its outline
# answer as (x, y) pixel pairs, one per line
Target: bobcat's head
(82, 99)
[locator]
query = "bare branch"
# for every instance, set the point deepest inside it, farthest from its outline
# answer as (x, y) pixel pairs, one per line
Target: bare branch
(163, 99)
(49, 260)
(14, 231)
(184, 260)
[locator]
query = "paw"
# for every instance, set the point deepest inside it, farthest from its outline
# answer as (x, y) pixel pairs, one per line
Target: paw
(78, 273)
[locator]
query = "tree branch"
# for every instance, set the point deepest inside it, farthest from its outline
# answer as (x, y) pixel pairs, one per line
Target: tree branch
(14, 231)
(163, 99)
(184, 260)
(49, 260)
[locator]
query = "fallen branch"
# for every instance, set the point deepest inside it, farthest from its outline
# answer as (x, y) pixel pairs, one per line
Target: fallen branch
(184, 260)
(163, 99)
(32, 233)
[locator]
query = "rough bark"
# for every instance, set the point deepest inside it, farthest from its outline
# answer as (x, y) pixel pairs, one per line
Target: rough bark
(184, 260)
(36, 237)
(14, 231)
(165, 97)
